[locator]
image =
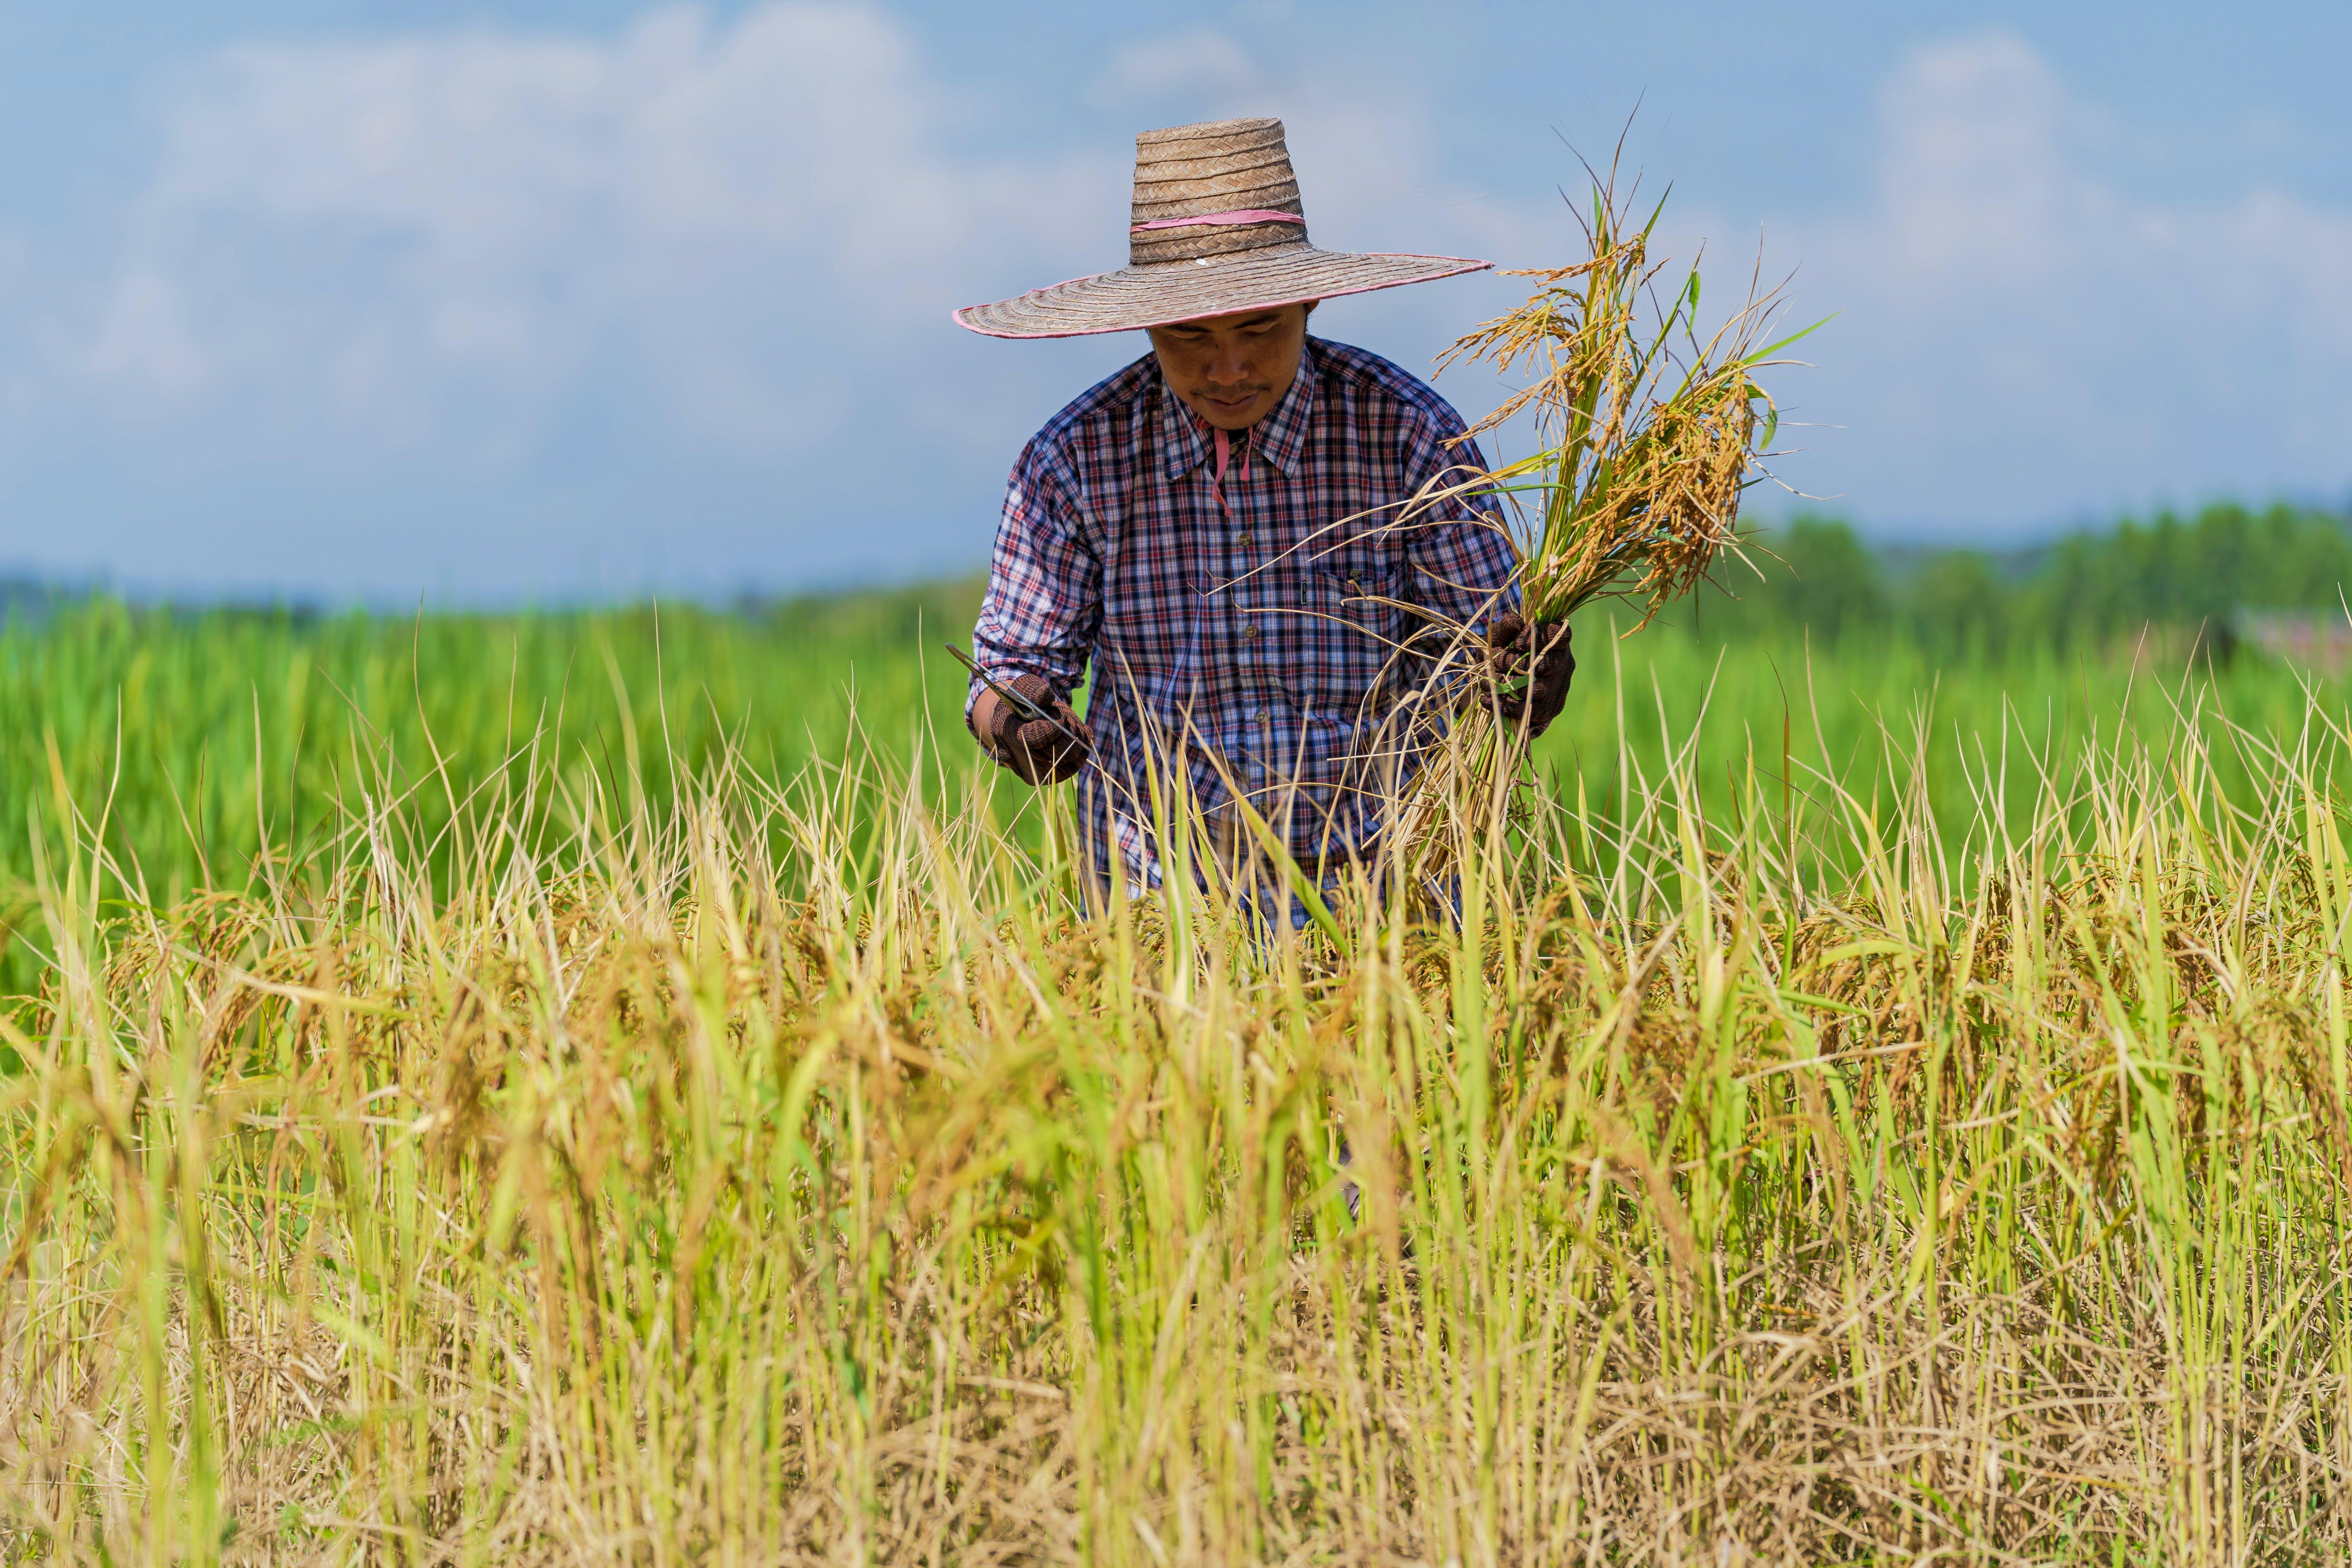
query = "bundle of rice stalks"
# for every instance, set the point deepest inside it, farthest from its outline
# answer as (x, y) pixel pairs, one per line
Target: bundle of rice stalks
(1637, 486)
(1649, 434)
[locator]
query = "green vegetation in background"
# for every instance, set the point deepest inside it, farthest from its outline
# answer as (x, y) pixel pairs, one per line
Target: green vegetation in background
(1984, 666)
(2085, 592)
(190, 731)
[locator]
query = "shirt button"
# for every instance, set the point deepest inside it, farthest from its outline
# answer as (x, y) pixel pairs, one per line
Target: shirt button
(1249, 631)
(1248, 541)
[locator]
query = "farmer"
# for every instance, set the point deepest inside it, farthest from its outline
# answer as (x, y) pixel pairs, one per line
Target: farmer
(1221, 531)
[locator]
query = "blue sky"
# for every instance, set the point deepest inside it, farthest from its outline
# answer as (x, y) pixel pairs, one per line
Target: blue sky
(488, 302)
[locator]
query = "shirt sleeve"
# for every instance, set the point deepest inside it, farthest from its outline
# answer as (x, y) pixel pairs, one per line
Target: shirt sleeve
(1463, 560)
(1044, 606)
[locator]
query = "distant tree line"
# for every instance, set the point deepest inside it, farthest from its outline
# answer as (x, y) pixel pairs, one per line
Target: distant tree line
(1819, 578)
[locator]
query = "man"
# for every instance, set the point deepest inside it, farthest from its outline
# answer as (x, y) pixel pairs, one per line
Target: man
(1222, 530)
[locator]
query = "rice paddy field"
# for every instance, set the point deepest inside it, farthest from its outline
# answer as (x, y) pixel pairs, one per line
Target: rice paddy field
(626, 1086)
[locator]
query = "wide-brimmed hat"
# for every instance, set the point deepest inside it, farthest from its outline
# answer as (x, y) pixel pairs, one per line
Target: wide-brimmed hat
(1218, 227)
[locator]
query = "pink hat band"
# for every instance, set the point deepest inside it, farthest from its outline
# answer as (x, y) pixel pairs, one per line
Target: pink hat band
(1238, 215)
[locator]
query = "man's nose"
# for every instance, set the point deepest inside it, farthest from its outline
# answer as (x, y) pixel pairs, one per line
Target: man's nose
(1228, 367)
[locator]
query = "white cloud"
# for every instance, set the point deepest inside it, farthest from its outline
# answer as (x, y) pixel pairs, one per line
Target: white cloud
(1201, 63)
(2023, 338)
(422, 246)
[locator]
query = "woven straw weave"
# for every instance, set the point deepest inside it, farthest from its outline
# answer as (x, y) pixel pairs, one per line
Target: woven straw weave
(1178, 274)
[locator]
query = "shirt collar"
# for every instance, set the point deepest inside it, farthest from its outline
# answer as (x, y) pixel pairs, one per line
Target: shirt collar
(1280, 438)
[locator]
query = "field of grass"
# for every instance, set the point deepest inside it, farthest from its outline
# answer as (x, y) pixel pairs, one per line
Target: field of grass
(203, 744)
(581, 1088)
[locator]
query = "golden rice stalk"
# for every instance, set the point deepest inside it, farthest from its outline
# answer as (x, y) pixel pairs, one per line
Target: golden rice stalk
(1649, 435)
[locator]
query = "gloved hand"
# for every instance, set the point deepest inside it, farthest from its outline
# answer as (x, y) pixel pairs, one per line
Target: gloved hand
(1537, 652)
(1030, 747)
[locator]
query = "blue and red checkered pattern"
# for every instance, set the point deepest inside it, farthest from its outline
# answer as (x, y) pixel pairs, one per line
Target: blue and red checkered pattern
(1254, 627)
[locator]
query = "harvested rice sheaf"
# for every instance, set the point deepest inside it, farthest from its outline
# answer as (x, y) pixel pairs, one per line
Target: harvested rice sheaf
(1649, 436)
(1650, 433)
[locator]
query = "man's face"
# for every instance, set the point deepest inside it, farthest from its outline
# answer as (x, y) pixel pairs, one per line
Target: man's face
(1231, 370)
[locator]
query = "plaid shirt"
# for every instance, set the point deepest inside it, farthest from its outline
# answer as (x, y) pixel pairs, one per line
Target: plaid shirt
(1252, 625)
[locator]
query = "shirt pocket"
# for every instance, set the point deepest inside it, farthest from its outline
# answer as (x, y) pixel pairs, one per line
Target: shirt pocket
(1355, 623)
(1360, 598)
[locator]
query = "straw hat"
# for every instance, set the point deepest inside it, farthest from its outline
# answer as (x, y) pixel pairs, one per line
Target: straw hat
(1218, 227)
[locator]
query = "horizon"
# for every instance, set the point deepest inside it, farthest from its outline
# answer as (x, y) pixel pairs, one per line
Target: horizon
(1902, 559)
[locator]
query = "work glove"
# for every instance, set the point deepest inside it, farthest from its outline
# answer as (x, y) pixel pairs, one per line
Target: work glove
(1034, 748)
(1536, 652)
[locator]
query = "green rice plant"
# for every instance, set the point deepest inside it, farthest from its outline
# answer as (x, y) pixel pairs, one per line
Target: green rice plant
(1774, 1167)
(210, 747)
(213, 745)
